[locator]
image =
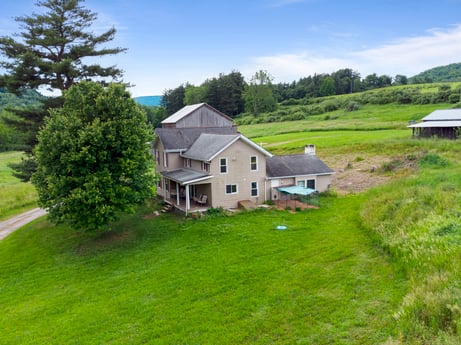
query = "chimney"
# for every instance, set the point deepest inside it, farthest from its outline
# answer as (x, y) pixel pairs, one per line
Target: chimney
(309, 149)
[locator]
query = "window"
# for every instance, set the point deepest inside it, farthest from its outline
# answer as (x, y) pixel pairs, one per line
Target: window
(206, 167)
(165, 159)
(306, 183)
(254, 188)
(254, 163)
(223, 165)
(157, 156)
(187, 162)
(231, 189)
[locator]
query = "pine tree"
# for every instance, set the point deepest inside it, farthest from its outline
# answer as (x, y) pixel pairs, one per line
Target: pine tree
(51, 52)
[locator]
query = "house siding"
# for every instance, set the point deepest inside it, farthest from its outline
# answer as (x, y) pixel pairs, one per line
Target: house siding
(203, 117)
(240, 174)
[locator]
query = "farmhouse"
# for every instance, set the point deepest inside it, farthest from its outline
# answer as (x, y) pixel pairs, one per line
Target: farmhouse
(205, 162)
(440, 123)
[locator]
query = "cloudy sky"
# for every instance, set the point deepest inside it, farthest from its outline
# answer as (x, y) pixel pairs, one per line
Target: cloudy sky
(171, 42)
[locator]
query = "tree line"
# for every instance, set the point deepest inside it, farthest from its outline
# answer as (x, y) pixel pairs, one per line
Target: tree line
(233, 95)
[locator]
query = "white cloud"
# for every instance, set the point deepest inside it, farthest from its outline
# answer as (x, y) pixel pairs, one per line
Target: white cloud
(408, 56)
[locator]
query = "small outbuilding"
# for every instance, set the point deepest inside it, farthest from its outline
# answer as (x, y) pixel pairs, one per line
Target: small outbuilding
(440, 123)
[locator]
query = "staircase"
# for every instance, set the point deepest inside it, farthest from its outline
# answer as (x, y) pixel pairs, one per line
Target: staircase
(167, 208)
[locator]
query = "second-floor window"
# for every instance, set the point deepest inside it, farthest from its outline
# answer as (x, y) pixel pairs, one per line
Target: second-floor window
(157, 156)
(165, 159)
(223, 165)
(254, 163)
(187, 162)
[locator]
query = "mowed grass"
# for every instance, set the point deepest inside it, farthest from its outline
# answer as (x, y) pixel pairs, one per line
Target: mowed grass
(222, 280)
(367, 118)
(15, 196)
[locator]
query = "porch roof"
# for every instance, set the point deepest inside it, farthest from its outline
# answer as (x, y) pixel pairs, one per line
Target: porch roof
(185, 176)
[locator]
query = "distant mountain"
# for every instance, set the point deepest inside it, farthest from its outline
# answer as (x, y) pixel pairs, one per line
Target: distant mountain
(448, 73)
(150, 101)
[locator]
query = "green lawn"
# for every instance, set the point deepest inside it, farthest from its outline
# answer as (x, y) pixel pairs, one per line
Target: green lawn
(16, 196)
(224, 280)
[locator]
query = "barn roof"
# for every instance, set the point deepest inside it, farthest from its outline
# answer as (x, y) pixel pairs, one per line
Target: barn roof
(432, 124)
(189, 109)
(444, 115)
(296, 165)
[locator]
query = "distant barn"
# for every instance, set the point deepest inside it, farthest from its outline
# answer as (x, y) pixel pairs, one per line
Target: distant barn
(440, 123)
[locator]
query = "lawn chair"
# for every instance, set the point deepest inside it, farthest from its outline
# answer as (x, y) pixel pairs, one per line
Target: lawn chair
(202, 199)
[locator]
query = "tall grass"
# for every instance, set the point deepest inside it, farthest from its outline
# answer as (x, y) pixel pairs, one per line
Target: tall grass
(418, 221)
(16, 196)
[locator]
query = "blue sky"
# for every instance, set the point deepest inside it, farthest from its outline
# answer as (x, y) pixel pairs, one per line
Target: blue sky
(171, 42)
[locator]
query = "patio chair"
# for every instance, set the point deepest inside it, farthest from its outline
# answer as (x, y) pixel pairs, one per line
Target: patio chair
(202, 200)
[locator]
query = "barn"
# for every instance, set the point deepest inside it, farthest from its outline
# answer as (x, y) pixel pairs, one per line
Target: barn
(440, 123)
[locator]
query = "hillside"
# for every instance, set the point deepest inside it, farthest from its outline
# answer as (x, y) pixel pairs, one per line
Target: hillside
(448, 73)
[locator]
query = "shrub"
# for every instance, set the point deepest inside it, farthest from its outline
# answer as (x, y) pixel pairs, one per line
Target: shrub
(433, 160)
(352, 106)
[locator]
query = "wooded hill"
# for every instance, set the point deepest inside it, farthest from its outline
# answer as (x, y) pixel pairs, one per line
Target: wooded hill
(448, 73)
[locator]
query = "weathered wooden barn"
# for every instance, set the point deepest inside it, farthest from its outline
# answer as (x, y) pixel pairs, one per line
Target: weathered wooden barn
(440, 123)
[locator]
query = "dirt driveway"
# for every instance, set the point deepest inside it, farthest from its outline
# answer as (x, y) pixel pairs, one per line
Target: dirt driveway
(12, 224)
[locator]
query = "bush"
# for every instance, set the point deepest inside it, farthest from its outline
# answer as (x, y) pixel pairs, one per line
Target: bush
(433, 160)
(352, 106)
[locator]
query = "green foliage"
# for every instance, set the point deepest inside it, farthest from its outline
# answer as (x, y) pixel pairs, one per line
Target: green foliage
(93, 157)
(448, 73)
(53, 48)
(259, 96)
(433, 160)
(418, 222)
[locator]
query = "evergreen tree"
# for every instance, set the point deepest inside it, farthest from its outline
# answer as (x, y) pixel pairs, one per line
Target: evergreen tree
(50, 53)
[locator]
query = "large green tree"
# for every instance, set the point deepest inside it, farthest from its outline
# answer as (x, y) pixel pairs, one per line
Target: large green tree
(259, 95)
(93, 157)
(54, 50)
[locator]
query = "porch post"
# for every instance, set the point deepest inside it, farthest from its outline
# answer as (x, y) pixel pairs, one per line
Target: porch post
(187, 199)
(177, 194)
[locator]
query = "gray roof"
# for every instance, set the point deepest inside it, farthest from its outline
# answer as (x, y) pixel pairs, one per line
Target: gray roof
(208, 145)
(187, 110)
(296, 165)
(432, 124)
(180, 139)
(185, 176)
(444, 115)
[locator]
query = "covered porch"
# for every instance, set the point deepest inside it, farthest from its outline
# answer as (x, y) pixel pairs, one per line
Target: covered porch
(187, 190)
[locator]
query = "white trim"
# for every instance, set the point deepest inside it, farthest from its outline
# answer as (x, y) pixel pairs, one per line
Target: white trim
(251, 164)
(245, 140)
(251, 188)
(236, 188)
(227, 166)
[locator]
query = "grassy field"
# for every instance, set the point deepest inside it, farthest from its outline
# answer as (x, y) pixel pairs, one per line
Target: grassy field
(231, 280)
(16, 196)
(378, 267)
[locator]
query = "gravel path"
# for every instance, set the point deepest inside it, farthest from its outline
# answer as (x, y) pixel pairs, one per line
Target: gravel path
(12, 224)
